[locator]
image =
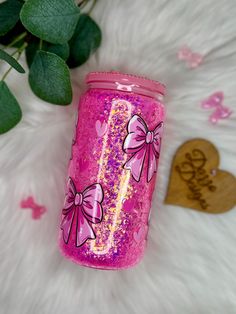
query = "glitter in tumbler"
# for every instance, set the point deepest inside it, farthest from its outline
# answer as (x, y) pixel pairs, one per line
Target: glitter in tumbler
(98, 156)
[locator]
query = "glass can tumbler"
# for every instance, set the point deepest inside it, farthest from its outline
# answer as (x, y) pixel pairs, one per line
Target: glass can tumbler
(112, 170)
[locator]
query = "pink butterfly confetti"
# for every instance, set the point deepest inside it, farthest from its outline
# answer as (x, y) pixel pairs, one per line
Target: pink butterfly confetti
(215, 101)
(193, 59)
(37, 210)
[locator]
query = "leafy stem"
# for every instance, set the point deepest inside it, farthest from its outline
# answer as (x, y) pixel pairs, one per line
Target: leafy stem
(19, 51)
(92, 6)
(84, 3)
(40, 44)
(18, 38)
(66, 41)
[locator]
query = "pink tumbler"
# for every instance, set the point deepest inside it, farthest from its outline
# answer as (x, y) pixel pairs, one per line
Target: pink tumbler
(111, 176)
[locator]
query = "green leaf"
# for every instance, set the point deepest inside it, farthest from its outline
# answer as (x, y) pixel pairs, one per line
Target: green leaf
(86, 40)
(49, 78)
(50, 20)
(33, 46)
(10, 112)
(9, 15)
(12, 34)
(60, 50)
(10, 60)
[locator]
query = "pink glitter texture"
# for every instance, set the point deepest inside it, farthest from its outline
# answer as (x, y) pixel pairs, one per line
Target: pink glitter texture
(118, 239)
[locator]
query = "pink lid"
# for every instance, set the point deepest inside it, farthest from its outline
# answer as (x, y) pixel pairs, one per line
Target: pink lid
(126, 79)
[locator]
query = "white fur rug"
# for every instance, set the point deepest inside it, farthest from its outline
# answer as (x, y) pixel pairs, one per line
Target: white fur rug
(190, 262)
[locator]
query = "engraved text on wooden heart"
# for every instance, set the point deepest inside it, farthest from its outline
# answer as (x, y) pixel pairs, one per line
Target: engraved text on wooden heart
(196, 182)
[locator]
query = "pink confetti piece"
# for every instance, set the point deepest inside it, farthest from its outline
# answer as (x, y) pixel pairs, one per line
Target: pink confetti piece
(215, 101)
(37, 210)
(193, 59)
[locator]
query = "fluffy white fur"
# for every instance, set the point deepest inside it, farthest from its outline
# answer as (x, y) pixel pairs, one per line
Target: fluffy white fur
(190, 261)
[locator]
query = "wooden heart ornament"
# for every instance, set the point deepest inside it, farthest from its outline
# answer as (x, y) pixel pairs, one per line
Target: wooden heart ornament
(197, 183)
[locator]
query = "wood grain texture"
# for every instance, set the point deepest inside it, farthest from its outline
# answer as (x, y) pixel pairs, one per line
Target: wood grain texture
(197, 182)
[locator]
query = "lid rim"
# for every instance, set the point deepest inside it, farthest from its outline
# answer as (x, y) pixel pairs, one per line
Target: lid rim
(143, 82)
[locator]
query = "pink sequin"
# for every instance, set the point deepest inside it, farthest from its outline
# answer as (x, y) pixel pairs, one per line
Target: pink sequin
(140, 234)
(37, 210)
(101, 128)
(129, 204)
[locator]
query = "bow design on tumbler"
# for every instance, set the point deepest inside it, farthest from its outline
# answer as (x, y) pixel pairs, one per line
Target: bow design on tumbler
(141, 142)
(216, 101)
(84, 209)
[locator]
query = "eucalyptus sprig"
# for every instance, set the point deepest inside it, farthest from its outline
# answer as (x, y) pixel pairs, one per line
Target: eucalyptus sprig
(55, 36)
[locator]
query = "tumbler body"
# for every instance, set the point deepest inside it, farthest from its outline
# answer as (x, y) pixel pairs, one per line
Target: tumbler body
(112, 170)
